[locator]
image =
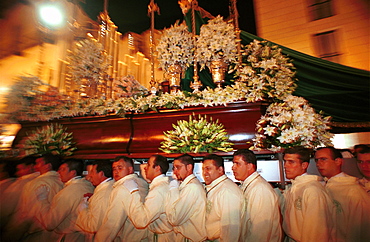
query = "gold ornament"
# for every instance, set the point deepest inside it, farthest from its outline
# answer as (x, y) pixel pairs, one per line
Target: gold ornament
(218, 68)
(174, 76)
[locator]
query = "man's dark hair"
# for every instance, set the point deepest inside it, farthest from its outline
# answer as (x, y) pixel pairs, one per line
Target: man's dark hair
(247, 156)
(218, 160)
(105, 167)
(161, 161)
(75, 165)
(364, 150)
(7, 167)
(54, 160)
(186, 159)
(27, 160)
(304, 153)
(335, 153)
(126, 159)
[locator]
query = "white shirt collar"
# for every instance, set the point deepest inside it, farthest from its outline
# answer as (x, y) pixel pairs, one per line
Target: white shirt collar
(72, 180)
(157, 177)
(106, 180)
(342, 174)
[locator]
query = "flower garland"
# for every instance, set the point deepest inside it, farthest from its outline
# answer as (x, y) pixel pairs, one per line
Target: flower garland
(216, 41)
(196, 135)
(290, 123)
(269, 74)
(176, 47)
(51, 139)
(122, 105)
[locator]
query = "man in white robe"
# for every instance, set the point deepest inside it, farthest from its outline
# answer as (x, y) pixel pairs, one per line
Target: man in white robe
(351, 200)
(186, 202)
(10, 198)
(61, 214)
(307, 210)
(23, 224)
(116, 225)
(262, 204)
(225, 202)
(151, 214)
(92, 213)
(363, 163)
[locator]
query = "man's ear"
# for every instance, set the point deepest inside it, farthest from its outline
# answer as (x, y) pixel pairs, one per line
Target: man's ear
(250, 166)
(305, 165)
(221, 169)
(338, 161)
(131, 169)
(157, 168)
(189, 168)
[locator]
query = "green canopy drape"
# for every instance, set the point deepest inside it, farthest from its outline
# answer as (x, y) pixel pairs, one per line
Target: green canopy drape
(340, 91)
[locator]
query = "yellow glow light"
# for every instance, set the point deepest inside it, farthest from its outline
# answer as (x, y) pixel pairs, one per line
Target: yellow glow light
(51, 15)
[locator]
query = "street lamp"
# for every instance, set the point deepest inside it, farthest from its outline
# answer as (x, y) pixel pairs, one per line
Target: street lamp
(51, 17)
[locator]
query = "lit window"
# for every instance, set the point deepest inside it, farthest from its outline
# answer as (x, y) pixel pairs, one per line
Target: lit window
(327, 45)
(320, 9)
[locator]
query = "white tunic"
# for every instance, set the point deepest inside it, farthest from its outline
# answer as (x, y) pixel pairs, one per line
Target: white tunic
(308, 210)
(352, 208)
(116, 225)
(151, 213)
(4, 184)
(262, 210)
(61, 214)
(10, 197)
(23, 222)
(186, 208)
(91, 218)
(225, 210)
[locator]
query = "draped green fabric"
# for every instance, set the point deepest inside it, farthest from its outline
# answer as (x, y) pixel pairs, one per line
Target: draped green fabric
(340, 91)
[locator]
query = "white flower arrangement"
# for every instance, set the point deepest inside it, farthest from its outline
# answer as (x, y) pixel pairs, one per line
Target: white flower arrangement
(50, 139)
(196, 135)
(217, 40)
(88, 61)
(291, 123)
(268, 73)
(128, 86)
(176, 46)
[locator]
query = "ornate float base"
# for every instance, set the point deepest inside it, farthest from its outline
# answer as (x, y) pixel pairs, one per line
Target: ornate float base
(140, 135)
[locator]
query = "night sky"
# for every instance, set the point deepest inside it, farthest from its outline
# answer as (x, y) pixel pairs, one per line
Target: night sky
(131, 15)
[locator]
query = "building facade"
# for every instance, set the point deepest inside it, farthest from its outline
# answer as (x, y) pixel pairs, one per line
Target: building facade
(335, 30)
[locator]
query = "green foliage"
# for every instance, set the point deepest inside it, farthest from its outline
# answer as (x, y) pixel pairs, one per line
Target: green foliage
(52, 139)
(196, 135)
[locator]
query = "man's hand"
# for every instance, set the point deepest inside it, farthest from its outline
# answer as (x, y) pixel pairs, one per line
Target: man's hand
(83, 204)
